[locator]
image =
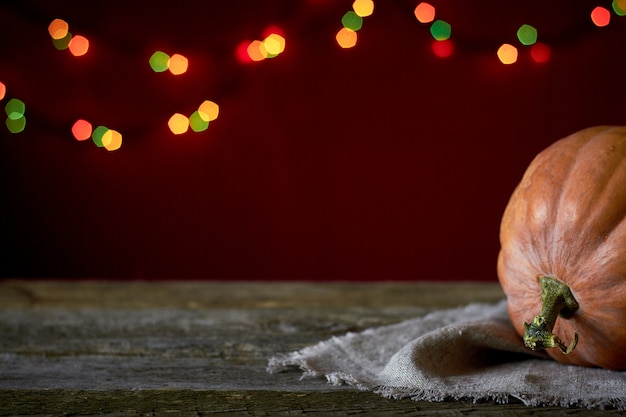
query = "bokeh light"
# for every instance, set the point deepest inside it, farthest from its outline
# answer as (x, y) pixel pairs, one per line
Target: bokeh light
(178, 64)
(363, 8)
(58, 29)
(16, 125)
(425, 13)
(352, 21)
(442, 49)
(159, 61)
(79, 45)
(540, 52)
(15, 109)
(346, 38)
(112, 140)
(600, 16)
(63, 43)
(98, 134)
(256, 51)
(527, 35)
(619, 7)
(178, 123)
(197, 122)
(507, 54)
(3, 90)
(441, 30)
(274, 44)
(208, 110)
(81, 130)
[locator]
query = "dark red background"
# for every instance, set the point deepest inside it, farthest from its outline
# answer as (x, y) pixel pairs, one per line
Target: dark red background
(381, 162)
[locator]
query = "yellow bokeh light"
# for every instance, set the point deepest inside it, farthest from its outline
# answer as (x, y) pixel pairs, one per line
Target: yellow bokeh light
(79, 45)
(208, 111)
(178, 64)
(256, 51)
(112, 140)
(178, 123)
(274, 44)
(58, 29)
(507, 54)
(425, 13)
(363, 8)
(346, 38)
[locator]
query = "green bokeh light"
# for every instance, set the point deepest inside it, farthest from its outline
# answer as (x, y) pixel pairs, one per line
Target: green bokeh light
(196, 122)
(159, 61)
(97, 135)
(16, 125)
(619, 7)
(62, 43)
(15, 109)
(352, 21)
(441, 30)
(527, 35)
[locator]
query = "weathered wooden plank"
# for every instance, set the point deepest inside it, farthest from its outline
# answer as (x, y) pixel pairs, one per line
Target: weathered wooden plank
(198, 295)
(200, 348)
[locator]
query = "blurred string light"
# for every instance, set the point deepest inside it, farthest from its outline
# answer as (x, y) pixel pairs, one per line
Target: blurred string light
(363, 8)
(424, 12)
(102, 136)
(507, 53)
(15, 110)
(352, 22)
(79, 45)
(440, 30)
(600, 16)
(198, 121)
(272, 45)
(177, 64)
(81, 130)
(63, 39)
(527, 35)
(619, 7)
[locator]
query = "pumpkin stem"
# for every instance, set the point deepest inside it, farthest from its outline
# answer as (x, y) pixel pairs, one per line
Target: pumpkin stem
(556, 300)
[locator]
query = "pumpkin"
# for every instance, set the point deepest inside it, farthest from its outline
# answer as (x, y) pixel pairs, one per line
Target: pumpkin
(562, 262)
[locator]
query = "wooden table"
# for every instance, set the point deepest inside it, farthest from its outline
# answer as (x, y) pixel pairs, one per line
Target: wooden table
(201, 348)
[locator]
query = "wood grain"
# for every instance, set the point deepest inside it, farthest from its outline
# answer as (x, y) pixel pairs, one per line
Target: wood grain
(201, 348)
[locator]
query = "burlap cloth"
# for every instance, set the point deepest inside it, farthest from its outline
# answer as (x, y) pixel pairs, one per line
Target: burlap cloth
(470, 353)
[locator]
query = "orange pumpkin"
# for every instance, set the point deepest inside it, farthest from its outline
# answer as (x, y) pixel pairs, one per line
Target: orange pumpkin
(562, 263)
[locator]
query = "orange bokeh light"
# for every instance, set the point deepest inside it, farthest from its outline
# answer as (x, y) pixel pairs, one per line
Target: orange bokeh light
(79, 45)
(600, 16)
(208, 110)
(425, 13)
(507, 54)
(178, 64)
(3, 90)
(256, 51)
(346, 38)
(81, 130)
(58, 29)
(178, 123)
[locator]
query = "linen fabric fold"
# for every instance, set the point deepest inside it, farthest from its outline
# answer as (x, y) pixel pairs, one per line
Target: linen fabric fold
(471, 352)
